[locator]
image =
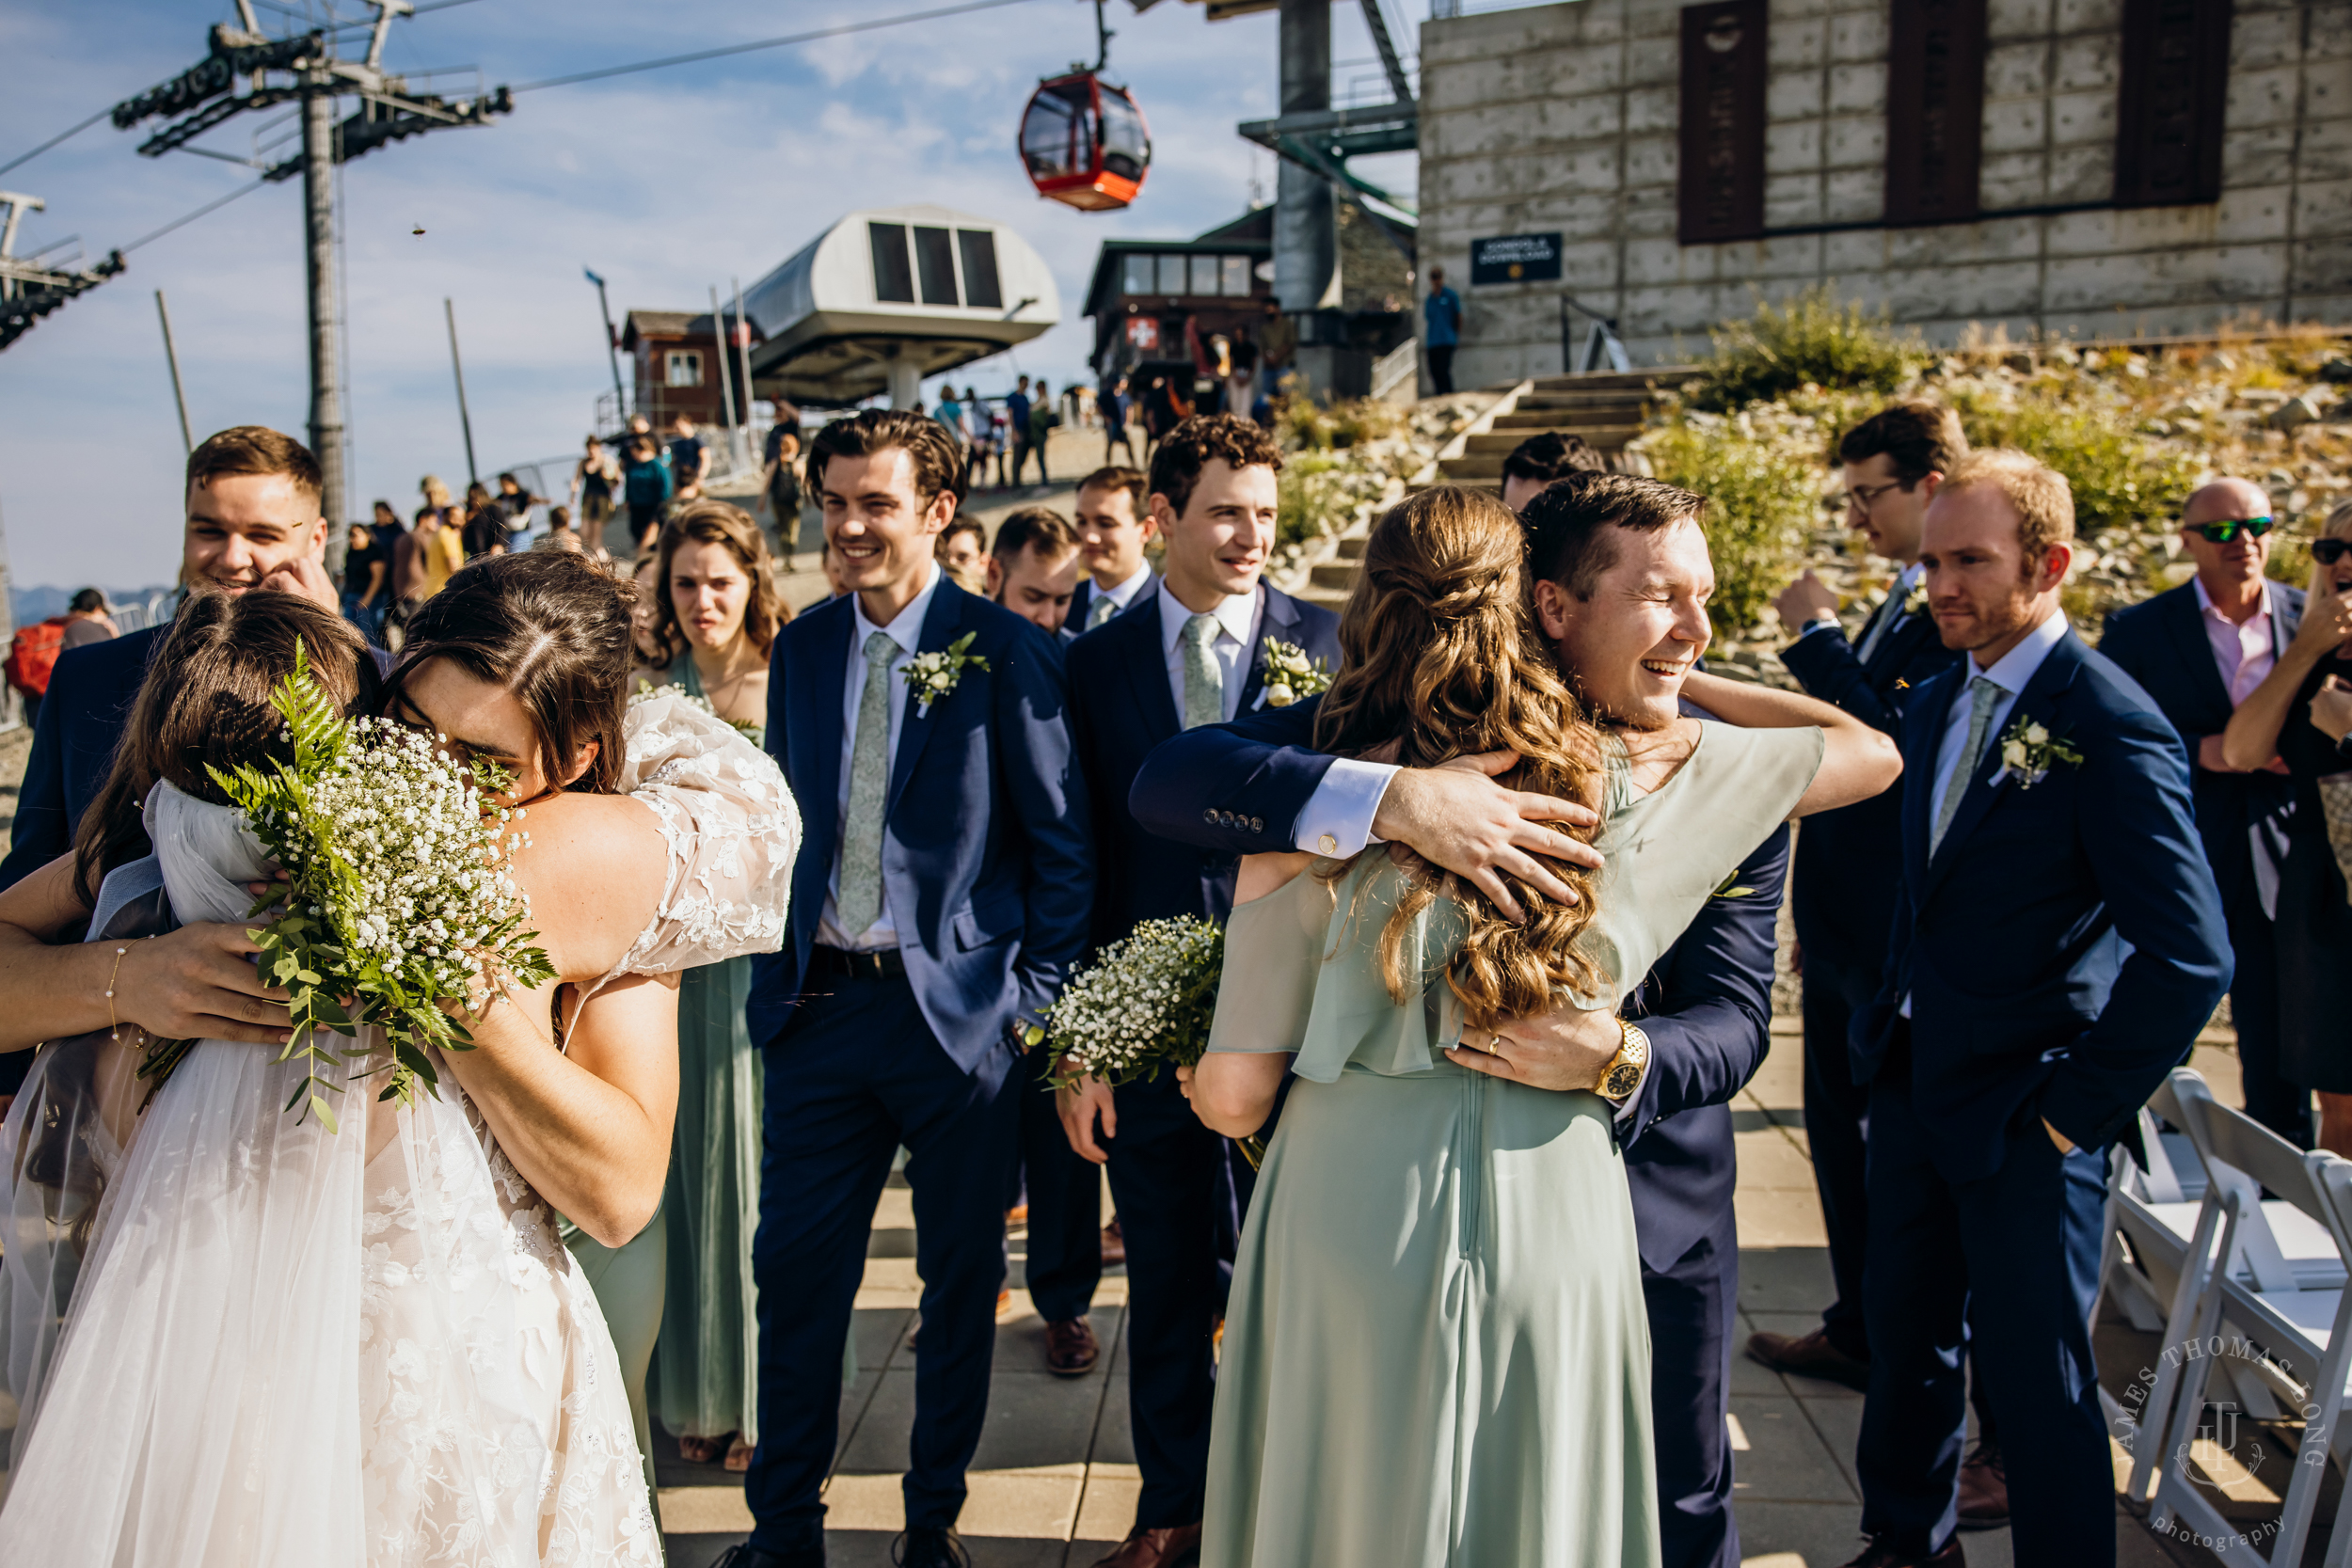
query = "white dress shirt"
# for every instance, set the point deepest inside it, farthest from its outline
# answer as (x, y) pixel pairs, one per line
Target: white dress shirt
(2242, 651)
(1236, 634)
(1905, 581)
(2011, 673)
(1124, 594)
(906, 630)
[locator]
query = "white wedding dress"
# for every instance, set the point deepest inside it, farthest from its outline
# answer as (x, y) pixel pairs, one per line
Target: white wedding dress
(288, 1347)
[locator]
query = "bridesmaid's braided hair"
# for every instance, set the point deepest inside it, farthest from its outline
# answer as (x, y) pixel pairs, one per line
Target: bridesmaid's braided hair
(1440, 656)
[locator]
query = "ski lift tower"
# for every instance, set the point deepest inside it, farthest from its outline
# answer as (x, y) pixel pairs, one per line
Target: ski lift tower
(304, 69)
(28, 289)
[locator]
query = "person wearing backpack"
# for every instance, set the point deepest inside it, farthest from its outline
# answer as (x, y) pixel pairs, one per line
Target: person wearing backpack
(32, 654)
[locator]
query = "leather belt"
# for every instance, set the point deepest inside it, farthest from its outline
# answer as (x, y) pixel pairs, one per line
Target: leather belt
(837, 963)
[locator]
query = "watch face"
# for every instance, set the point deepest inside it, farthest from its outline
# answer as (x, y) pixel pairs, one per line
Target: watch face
(1622, 1079)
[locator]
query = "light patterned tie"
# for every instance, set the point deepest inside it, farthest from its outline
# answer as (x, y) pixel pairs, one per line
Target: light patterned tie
(860, 904)
(1102, 610)
(1204, 682)
(1982, 695)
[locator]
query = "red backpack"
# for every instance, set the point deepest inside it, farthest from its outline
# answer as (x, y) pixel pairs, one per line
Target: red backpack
(33, 653)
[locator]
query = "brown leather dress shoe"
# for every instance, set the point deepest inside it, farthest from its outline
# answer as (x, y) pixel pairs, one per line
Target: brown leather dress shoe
(1809, 1356)
(1156, 1549)
(1114, 1246)
(1070, 1348)
(1880, 1555)
(1983, 1488)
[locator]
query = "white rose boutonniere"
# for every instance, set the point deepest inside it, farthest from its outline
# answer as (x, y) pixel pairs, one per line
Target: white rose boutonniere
(2030, 751)
(1290, 674)
(1915, 602)
(932, 675)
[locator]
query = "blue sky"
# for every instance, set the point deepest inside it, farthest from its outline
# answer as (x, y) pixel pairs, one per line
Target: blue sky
(666, 183)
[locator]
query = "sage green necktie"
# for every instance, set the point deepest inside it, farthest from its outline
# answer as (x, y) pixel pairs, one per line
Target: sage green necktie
(1204, 681)
(1102, 610)
(860, 904)
(1982, 695)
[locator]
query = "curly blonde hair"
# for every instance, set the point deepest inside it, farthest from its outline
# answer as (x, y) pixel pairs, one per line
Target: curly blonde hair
(1440, 656)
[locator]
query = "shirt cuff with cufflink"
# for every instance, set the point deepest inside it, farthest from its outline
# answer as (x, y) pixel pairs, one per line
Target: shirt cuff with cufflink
(1336, 821)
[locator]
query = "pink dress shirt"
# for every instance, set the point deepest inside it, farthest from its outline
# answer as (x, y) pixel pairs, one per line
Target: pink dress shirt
(2243, 652)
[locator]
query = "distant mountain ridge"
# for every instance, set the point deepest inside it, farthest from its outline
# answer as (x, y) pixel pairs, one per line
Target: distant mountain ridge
(29, 605)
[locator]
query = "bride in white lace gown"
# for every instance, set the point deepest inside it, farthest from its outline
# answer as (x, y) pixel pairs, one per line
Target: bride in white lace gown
(287, 1346)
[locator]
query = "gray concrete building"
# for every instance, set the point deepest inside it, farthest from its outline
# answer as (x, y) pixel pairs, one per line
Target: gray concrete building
(2100, 167)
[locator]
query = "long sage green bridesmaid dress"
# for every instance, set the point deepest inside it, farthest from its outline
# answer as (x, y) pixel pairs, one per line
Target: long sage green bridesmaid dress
(1437, 1352)
(705, 1362)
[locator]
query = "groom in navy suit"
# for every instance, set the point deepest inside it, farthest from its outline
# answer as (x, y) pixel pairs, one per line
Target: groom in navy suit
(2057, 943)
(1258, 786)
(1192, 652)
(941, 893)
(1841, 897)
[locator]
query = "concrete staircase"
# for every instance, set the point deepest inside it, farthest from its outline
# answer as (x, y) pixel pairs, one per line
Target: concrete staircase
(1607, 410)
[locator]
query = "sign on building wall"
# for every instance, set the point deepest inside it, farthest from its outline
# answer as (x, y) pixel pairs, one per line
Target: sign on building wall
(1515, 258)
(2175, 92)
(1721, 184)
(1935, 110)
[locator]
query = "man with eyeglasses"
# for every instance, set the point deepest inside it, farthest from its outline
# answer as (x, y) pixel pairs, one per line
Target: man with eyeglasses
(2200, 650)
(1843, 886)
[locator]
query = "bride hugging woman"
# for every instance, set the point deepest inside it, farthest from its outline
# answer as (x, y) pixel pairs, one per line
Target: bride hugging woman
(286, 1345)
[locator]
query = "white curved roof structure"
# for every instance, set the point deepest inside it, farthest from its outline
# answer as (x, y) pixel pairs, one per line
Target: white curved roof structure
(890, 295)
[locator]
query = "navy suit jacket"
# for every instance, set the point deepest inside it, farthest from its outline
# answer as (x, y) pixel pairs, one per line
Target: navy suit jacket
(1074, 626)
(1121, 708)
(89, 699)
(1707, 1006)
(988, 862)
(2064, 944)
(2160, 643)
(1844, 898)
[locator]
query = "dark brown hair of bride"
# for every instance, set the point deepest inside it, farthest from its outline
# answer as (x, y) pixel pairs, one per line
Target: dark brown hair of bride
(206, 700)
(1440, 655)
(553, 630)
(713, 522)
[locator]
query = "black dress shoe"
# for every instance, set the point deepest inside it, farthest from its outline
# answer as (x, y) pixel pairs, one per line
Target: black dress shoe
(749, 1556)
(1880, 1555)
(930, 1548)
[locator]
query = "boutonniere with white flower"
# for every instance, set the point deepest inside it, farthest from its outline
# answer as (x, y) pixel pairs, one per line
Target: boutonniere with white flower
(932, 675)
(2030, 751)
(1290, 674)
(1915, 602)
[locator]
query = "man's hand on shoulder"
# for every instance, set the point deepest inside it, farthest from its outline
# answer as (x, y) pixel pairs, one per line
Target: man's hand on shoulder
(1455, 816)
(1567, 1048)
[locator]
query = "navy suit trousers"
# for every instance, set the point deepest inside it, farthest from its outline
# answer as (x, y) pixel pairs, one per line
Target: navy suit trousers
(2006, 1266)
(1837, 1121)
(1065, 1198)
(1692, 1309)
(2284, 1108)
(853, 1075)
(1165, 1177)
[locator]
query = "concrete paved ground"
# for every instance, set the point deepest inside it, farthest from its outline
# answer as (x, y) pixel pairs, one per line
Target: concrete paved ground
(1054, 1480)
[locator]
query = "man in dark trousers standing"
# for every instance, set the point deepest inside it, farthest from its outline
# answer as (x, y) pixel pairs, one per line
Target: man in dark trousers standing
(2198, 650)
(1843, 896)
(941, 895)
(1192, 653)
(1257, 785)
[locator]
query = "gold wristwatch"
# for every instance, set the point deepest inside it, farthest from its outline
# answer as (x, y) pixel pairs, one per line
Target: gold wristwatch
(1623, 1075)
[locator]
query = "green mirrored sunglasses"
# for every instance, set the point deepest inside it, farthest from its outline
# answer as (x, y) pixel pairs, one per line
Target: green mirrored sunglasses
(2224, 531)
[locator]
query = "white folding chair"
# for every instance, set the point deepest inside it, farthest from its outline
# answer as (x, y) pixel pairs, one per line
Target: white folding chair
(2253, 1283)
(2152, 1211)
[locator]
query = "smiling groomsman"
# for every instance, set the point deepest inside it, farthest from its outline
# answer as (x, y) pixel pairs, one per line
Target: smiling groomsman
(1193, 651)
(1114, 525)
(2057, 943)
(1841, 895)
(941, 895)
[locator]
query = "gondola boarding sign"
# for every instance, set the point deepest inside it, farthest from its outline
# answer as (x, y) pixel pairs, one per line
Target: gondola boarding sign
(1515, 258)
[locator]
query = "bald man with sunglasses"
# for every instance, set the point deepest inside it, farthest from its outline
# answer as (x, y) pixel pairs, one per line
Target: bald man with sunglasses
(2199, 649)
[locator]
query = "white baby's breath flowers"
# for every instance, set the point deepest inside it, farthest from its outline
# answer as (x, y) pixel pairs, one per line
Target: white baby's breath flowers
(1145, 1002)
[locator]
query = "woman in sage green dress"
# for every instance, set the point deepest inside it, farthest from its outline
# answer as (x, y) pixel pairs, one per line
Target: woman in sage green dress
(1436, 1350)
(716, 612)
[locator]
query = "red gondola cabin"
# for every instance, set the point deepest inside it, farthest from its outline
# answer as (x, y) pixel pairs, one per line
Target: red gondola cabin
(1083, 142)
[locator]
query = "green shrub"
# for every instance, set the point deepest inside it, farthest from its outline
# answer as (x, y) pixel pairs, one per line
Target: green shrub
(2118, 476)
(1812, 339)
(1309, 503)
(1766, 488)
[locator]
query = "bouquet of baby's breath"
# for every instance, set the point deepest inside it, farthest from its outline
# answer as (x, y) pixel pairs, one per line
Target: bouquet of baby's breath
(1145, 1002)
(398, 898)
(647, 691)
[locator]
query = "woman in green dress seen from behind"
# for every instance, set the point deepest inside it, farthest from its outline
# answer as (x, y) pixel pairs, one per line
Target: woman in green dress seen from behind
(1437, 1352)
(716, 612)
